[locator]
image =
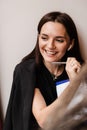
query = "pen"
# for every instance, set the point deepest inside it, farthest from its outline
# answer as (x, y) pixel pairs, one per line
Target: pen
(58, 62)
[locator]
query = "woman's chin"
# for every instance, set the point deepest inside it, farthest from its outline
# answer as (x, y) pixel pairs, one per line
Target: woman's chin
(50, 60)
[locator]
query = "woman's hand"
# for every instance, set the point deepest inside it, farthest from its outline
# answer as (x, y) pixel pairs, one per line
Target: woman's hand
(72, 67)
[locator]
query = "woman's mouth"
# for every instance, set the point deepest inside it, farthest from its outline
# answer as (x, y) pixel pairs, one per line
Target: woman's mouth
(50, 52)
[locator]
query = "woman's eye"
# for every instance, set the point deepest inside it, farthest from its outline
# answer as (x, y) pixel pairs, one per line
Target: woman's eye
(60, 40)
(44, 38)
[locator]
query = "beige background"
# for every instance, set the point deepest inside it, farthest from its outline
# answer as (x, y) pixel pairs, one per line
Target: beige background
(18, 31)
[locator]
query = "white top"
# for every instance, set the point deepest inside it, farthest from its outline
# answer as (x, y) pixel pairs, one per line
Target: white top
(61, 85)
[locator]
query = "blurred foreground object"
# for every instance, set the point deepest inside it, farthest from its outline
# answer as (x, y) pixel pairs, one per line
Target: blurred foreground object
(75, 116)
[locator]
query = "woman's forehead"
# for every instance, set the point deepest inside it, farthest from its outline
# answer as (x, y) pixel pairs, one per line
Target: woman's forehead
(53, 28)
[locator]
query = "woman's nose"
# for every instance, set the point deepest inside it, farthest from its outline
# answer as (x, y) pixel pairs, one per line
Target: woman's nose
(51, 44)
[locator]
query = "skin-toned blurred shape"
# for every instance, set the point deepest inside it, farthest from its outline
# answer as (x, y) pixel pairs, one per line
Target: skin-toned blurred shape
(76, 113)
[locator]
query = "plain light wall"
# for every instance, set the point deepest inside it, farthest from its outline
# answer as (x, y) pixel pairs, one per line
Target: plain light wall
(18, 31)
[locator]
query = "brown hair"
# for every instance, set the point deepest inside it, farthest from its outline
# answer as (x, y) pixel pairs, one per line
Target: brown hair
(68, 23)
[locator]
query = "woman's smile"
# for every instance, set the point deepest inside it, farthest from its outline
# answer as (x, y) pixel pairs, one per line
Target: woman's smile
(50, 52)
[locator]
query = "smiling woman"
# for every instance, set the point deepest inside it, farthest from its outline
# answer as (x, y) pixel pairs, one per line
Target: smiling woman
(34, 97)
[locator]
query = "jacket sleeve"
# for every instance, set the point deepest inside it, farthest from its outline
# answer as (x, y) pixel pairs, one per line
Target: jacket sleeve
(8, 118)
(20, 102)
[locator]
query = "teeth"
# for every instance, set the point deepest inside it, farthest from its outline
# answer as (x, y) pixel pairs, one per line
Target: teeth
(50, 52)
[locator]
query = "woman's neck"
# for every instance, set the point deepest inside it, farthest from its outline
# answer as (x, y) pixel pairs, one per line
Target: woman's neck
(54, 69)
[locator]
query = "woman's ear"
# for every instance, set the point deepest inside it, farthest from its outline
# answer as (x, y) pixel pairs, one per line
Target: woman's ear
(71, 45)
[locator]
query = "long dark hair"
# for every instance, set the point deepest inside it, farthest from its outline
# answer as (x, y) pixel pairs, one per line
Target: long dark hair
(68, 23)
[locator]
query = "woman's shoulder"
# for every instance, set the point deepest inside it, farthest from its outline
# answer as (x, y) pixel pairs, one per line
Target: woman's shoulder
(28, 65)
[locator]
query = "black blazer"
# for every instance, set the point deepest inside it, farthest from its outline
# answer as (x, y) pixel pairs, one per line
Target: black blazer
(19, 106)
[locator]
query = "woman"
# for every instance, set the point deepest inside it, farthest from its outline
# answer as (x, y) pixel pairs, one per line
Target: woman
(34, 97)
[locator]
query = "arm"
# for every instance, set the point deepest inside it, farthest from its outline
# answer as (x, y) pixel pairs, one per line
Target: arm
(19, 106)
(45, 115)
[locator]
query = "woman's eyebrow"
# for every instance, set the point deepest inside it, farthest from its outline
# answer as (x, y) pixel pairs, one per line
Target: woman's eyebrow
(55, 36)
(44, 34)
(61, 37)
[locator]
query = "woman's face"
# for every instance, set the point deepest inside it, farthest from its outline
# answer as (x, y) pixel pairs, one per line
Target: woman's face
(53, 41)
